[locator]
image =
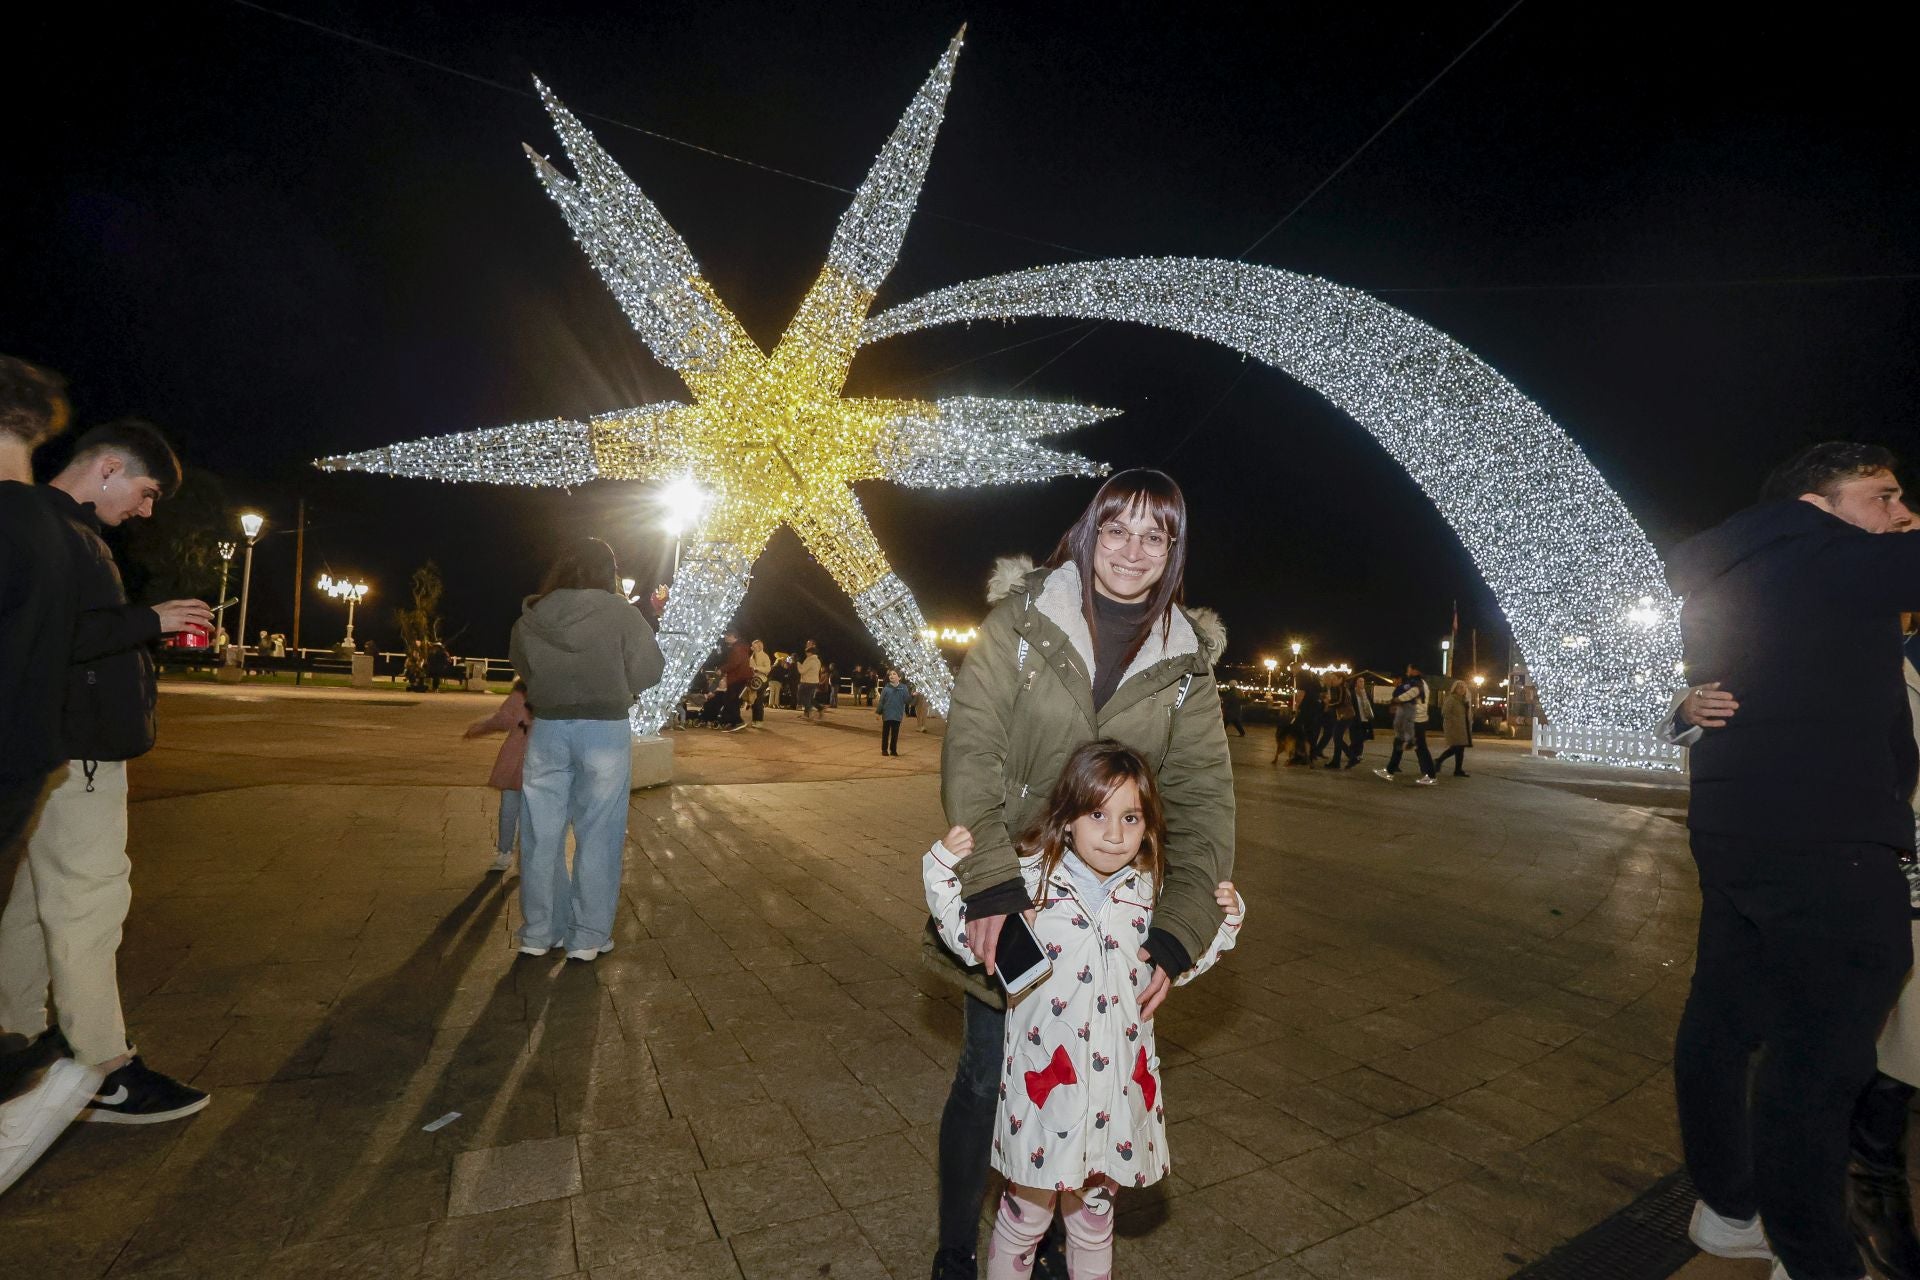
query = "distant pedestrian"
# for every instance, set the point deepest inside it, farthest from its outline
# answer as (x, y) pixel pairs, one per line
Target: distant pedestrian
(1410, 699)
(761, 688)
(585, 654)
(892, 709)
(513, 718)
(1456, 710)
(1349, 717)
(1233, 708)
(1309, 707)
(830, 686)
(808, 690)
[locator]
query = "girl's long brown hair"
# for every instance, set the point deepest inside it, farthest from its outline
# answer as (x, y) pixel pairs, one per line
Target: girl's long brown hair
(1086, 780)
(1155, 495)
(586, 563)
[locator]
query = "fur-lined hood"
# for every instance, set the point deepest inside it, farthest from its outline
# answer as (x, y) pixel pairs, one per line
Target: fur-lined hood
(1059, 597)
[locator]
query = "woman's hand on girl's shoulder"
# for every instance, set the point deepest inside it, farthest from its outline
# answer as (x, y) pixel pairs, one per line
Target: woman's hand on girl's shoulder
(959, 842)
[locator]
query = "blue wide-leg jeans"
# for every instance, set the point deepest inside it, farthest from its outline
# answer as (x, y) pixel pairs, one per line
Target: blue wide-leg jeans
(577, 774)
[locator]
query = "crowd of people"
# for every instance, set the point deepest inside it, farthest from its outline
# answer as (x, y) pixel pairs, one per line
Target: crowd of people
(1086, 866)
(1336, 715)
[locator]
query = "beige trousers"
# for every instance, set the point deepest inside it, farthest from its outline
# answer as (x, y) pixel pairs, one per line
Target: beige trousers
(61, 928)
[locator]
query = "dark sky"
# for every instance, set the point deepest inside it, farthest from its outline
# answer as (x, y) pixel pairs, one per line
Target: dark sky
(279, 244)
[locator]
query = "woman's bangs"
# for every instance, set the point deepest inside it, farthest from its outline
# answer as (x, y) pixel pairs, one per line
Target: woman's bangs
(1163, 506)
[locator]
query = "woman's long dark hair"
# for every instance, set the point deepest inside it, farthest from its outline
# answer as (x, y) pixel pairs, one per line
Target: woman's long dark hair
(1086, 780)
(585, 565)
(1154, 495)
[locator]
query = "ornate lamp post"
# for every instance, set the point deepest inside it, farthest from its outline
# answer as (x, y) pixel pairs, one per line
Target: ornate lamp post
(1270, 664)
(352, 592)
(250, 525)
(226, 550)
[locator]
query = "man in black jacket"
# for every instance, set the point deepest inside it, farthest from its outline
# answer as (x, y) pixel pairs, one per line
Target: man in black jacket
(41, 1088)
(61, 927)
(1800, 815)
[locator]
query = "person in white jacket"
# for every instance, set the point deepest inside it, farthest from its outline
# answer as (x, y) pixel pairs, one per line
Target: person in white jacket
(1080, 1109)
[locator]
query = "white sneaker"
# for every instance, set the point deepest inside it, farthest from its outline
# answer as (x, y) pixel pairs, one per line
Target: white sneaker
(591, 953)
(529, 949)
(502, 861)
(1383, 775)
(1425, 780)
(1726, 1238)
(32, 1119)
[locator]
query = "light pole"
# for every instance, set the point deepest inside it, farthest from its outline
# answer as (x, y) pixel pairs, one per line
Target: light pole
(250, 524)
(1446, 657)
(226, 550)
(682, 501)
(352, 592)
(1270, 664)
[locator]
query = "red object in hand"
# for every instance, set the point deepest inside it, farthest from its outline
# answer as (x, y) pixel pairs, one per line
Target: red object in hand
(191, 638)
(1144, 1078)
(1058, 1071)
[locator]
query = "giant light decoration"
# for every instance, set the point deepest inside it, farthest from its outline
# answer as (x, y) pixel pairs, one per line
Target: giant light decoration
(770, 436)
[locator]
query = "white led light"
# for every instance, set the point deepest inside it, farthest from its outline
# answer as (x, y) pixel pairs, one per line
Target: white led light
(1577, 579)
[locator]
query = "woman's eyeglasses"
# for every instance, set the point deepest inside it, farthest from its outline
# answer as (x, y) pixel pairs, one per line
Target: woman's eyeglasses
(1114, 537)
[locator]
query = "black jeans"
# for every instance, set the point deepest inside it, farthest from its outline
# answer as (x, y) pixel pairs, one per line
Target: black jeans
(1419, 750)
(1459, 757)
(966, 1125)
(1345, 737)
(889, 737)
(1803, 949)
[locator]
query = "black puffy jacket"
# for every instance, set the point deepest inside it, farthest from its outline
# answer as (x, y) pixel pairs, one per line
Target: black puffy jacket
(110, 686)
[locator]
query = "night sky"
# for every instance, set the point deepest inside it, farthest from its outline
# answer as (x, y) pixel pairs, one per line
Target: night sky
(279, 244)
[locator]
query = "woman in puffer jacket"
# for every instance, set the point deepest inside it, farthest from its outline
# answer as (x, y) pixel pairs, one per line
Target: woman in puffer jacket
(1094, 645)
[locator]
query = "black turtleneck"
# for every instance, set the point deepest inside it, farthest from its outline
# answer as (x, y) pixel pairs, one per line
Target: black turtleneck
(1116, 625)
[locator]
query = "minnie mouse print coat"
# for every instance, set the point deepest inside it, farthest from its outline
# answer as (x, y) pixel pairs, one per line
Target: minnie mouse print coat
(1080, 1089)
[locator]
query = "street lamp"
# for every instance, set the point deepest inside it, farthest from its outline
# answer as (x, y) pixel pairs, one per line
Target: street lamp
(626, 589)
(1446, 657)
(1270, 664)
(682, 502)
(226, 550)
(352, 592)
(250, 525)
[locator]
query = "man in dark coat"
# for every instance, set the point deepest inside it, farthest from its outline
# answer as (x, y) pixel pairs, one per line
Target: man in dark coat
(41, 1088)
(1800, 816)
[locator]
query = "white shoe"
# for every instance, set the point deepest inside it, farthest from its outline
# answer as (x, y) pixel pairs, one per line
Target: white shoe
(591, 953)
(1726, 1238)
(529, 949)
(1425, 780)
(1383, 775)
(502, 861)
(33, 1118)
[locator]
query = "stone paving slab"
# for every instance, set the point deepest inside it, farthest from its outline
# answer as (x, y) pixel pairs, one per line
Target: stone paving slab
(1440, 1050)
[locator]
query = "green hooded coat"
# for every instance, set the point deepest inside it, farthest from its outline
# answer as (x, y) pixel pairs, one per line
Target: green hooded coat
(1024, 702)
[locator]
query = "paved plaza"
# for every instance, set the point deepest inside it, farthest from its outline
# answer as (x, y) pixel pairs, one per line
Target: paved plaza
(1441, 1049)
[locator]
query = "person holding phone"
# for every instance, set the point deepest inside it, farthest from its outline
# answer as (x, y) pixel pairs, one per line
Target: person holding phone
(1083, 1112)
(1095, 644)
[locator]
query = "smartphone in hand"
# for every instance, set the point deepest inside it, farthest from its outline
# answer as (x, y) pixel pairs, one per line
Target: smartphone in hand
(1018, 961)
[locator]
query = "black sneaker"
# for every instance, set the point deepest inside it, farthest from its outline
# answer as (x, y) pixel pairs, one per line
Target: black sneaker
(955, 1264)
(137, 1094)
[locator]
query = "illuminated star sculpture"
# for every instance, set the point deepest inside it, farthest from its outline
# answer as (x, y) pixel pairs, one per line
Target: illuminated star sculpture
(768, 435)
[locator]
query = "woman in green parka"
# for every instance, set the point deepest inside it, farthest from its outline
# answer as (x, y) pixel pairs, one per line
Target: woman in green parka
(1096, 644)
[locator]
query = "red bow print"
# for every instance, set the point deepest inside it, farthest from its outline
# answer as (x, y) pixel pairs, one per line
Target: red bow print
(1143, 1078)
(1059, 1071)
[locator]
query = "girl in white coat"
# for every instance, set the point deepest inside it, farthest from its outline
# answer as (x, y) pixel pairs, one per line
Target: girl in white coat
(1080, 1110)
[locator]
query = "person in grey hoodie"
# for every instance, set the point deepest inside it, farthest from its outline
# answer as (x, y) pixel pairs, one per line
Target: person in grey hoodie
(585, 654)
